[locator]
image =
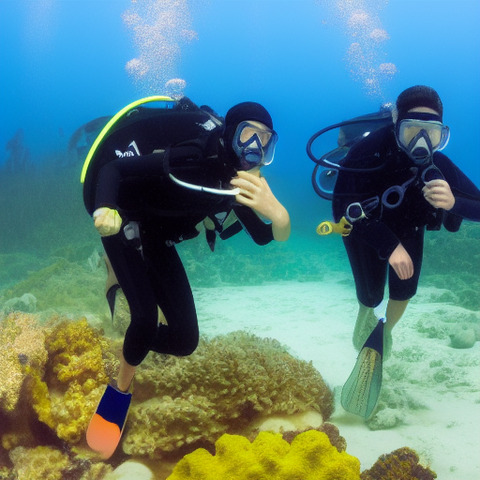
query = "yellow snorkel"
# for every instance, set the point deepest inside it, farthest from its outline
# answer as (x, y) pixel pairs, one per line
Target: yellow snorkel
(112, 121)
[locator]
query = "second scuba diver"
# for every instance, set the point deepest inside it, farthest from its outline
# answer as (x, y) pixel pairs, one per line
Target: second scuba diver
(143, 206)
(399, 185)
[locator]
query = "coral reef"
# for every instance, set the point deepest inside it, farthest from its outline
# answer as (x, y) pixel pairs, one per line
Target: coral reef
(402, 463)
(23, 348)
(48, 463)
(310, 456)
(57, 372)
(228, 383)
(66, 396)
(330, 429)
(40, 463)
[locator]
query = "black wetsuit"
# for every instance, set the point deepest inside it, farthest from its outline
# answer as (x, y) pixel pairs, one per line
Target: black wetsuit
(148, 268)
(373, 239)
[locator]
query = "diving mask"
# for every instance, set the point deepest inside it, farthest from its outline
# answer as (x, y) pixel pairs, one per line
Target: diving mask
(421, 138)
(254, 144)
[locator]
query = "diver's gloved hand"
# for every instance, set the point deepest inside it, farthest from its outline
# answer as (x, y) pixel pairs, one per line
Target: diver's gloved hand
(107, 221)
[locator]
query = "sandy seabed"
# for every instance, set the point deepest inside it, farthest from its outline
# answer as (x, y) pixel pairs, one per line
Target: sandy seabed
(430, 397)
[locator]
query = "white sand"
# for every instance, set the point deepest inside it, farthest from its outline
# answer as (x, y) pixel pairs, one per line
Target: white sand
(316, 321)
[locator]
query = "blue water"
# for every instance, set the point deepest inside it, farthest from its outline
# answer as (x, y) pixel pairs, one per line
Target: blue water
(65, 62)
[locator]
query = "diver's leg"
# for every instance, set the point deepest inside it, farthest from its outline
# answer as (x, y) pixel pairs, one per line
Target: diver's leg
(132, 272)
(370, 274)
(179, 334)
(401, 291)
(364, 325)
(395, 311)
(126, 372)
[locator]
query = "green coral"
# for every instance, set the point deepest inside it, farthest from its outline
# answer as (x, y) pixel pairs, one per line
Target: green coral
(310, 456)
(229, 382)
(400, 464)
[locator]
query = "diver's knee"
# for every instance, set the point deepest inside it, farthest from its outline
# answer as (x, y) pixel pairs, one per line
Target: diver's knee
(188, 346)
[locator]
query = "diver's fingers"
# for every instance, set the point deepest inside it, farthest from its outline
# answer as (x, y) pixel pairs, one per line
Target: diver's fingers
(250, 177)
(244, 184)
(401, 262)
(439, 196)
(244, 200)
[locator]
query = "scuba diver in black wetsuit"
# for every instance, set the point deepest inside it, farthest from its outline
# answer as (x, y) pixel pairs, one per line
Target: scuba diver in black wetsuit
(147, 200)
(395, 184)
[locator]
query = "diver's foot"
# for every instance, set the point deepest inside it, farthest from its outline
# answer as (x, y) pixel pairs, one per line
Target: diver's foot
(106, 426)
(366, 322)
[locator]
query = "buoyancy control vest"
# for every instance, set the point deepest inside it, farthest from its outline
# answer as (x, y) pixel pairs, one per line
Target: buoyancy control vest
(171, 123)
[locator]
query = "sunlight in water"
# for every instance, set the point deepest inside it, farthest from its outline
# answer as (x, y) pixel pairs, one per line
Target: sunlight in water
(160, 28)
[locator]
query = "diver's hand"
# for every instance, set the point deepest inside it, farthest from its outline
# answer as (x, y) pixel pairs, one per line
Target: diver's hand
(107, 221)
(401, 262)
(255, 193)
(438, 194)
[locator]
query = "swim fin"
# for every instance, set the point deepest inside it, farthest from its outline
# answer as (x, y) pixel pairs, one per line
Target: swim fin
(106, 426)
(362, 389)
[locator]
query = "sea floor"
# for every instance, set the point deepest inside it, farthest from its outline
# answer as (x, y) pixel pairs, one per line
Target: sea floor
(430, 398)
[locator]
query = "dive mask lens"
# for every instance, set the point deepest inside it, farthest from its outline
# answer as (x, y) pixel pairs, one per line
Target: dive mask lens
(254, 145)
(437, 133)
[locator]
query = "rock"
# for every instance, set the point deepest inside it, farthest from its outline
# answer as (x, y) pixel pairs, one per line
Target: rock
(26, 303)
(463, 338)
(131, 470)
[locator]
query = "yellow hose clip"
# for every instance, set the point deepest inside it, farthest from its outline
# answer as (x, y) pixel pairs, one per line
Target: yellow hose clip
(343, 227)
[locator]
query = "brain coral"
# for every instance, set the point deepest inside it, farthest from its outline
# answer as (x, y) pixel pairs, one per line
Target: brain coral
(402, 463)
(310, 456)
(227, 383)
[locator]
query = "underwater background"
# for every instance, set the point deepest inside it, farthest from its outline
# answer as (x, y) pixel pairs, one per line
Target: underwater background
(311, 63)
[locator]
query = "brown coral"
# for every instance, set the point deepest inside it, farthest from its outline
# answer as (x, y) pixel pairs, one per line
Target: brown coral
(23, 347)
(402, 463)
(330, 429)
(40, 463)
(227, 383)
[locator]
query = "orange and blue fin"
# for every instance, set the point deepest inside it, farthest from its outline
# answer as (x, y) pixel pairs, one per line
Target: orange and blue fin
(106, 426)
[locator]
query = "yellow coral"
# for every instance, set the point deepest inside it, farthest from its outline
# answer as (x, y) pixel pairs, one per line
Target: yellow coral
(74, 379)
(311, 456)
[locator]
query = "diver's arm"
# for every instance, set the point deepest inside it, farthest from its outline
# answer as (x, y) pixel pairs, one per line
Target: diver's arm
(256, 194)
(260, 232)
(112, 175)
(465, 193)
